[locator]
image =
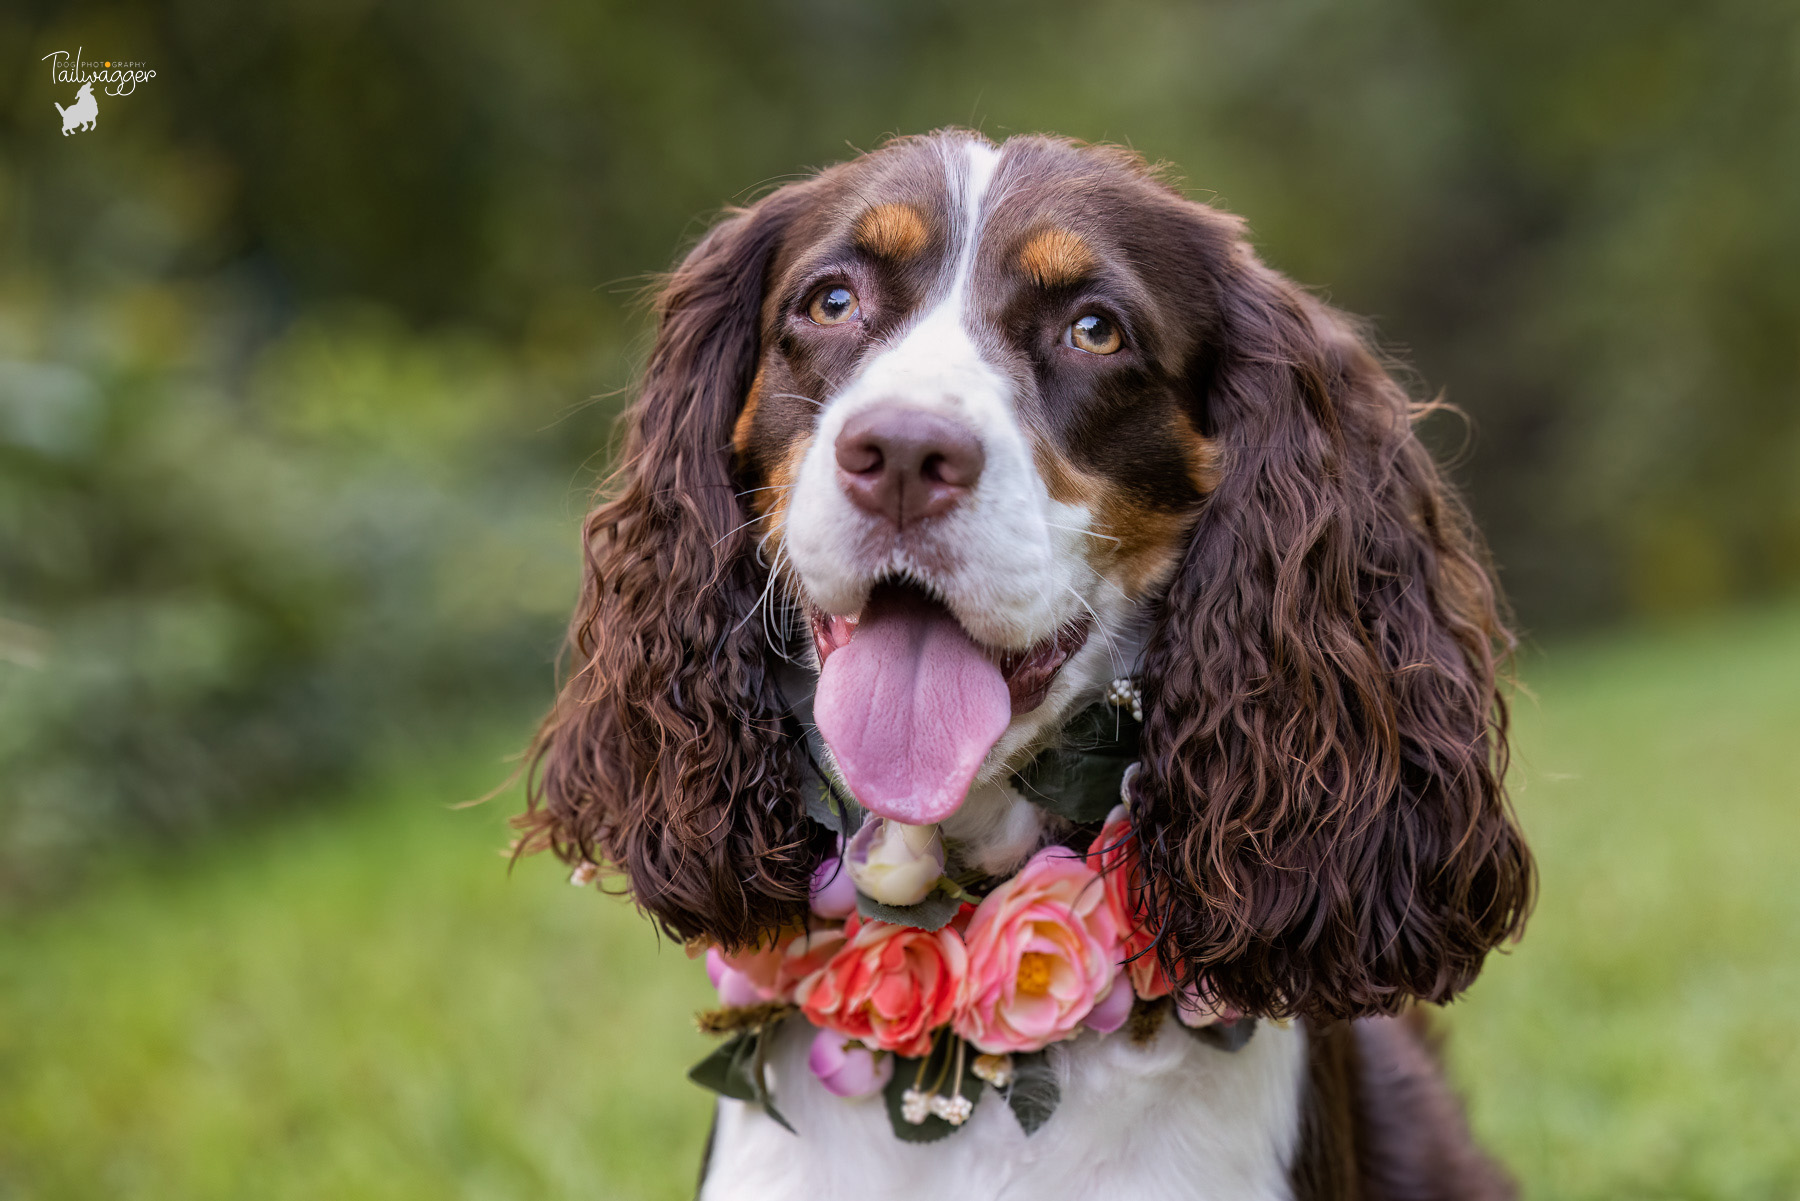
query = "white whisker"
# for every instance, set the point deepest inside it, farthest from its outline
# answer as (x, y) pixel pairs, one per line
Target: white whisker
(1112, 649)
(728, 533)
(1078, 530)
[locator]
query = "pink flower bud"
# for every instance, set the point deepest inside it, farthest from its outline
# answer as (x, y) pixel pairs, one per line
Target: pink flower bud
(833, 891)
(848, 1069)
(1110, 1012)
(715, 965)
(736, 990)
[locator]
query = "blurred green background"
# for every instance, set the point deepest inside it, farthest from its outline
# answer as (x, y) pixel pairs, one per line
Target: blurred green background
(309, 357)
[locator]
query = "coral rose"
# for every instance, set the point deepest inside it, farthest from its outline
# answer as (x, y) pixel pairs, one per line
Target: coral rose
(891, 986)
(1114, 854)
(1043, 950)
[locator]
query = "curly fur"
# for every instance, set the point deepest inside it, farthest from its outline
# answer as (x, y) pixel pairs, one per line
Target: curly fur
(1323, 825)
(669, 753)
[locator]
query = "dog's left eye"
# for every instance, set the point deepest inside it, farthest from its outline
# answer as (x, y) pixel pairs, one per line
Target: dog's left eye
(1095, 334)
(833, 306)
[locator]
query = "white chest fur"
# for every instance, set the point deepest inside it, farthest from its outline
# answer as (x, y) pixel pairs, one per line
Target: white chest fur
(1173, 1119)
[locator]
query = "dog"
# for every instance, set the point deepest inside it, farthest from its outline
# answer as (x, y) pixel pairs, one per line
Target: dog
(933, 449)
(83, 113)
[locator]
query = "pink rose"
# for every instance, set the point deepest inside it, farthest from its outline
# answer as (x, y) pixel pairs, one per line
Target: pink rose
(804, 956)
(1114, 854)
(773, 973)
(1043, 950)
(848, 1069)
(889, 985)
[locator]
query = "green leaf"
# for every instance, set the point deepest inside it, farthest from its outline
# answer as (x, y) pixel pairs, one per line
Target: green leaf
(1034, 1093)
(939, 1063)
(933, 913)
(829, 805)
(738, 1069)
(727, 1070)
(819, 805)
(1079, 779)
(759, 1081)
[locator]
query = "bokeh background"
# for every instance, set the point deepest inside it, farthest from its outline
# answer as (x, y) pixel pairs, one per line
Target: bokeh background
(309, 359)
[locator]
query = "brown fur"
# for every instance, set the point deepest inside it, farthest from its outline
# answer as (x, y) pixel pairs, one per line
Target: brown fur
(1320, 805)
(1380, 1124)
(669, 753)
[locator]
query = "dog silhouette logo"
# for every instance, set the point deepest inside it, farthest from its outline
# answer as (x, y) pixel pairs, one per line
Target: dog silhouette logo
(82, 114)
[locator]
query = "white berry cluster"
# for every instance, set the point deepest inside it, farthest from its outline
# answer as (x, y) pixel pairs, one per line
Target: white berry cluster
(1123, 693)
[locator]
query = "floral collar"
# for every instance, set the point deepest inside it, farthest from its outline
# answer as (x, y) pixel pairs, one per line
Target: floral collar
(925, 989)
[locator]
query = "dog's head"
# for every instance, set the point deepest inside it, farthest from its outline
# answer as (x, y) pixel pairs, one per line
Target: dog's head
(995, 425)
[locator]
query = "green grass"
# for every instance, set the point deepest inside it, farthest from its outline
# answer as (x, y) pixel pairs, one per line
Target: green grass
(364, 1004)
(1641, 1042)
(361, 1005)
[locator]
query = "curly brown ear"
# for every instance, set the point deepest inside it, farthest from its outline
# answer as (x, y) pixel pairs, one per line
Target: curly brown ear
(666, 753)
(1320, 805)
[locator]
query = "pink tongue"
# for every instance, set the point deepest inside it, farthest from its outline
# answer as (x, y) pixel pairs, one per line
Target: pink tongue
(910, 707)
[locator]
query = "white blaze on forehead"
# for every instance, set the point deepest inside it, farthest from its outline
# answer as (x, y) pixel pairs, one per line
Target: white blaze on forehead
(938, 351)
(980, 163)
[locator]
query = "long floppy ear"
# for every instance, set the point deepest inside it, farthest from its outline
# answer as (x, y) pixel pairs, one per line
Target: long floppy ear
(1320, 805)
(666, 753)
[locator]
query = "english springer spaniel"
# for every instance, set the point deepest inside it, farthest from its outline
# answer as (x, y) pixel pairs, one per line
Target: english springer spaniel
(933, 450)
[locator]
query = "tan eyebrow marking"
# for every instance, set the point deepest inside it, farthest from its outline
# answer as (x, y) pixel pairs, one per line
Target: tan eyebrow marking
(1056, 257)
(892, 231)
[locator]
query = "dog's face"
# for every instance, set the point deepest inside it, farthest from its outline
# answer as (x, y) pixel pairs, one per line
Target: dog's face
(971, 417)
(995, 425)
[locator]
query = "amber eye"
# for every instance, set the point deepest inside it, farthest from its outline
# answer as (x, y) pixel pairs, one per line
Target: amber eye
(832, 306)
(1095, 334)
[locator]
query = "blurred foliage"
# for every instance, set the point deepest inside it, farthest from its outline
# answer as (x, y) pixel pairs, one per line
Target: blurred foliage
(295, 347)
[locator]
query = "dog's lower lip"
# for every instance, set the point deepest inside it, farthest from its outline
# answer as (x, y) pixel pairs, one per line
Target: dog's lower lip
(1028, 673)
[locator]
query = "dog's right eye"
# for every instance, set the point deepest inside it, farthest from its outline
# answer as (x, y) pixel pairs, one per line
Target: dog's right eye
(833, 305)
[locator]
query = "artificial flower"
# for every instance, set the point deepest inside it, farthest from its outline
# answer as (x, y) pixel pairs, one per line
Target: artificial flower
(895, 863)
(891, 986)
(848, 1069)
(833, 891)
(772, 973)
(1114, 854)
(1110, 1012)
(737, 990)
(1043, 950)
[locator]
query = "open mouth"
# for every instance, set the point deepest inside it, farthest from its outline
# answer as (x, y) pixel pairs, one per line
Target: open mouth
(1028, 673)
(910, 704)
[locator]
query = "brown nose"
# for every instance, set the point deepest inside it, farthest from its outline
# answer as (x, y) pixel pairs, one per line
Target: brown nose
(907, 464)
